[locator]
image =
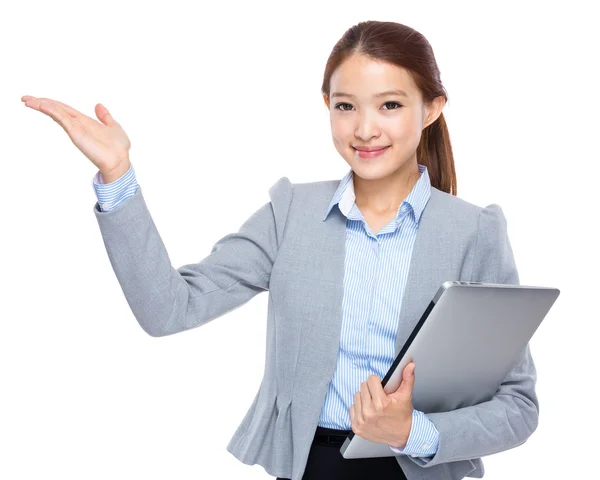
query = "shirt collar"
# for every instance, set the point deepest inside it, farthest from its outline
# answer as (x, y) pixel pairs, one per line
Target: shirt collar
(416, 199)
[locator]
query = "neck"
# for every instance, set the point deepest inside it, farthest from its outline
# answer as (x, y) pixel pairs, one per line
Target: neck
(384, 195)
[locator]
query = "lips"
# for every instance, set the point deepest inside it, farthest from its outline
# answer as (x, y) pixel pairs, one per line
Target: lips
(371, 153)
(369, 149)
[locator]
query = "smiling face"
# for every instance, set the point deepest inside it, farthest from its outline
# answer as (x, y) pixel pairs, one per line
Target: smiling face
(376, 104)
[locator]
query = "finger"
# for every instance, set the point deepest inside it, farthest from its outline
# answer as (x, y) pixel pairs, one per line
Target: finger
(104, 115)
(56, 113)
(40, 104)
(358, 416)
(31, 102)
(378, 396)
(408, 375)
(67, 108)
(70, 110)
(365, 399)
(408, 379)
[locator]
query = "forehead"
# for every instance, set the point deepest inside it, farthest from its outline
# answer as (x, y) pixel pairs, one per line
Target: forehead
(362, 76)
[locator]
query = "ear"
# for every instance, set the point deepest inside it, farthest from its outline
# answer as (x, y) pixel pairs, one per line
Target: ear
(434, 110)
(326, 100)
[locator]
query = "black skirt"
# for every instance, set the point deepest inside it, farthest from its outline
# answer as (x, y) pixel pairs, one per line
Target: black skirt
(325, 462)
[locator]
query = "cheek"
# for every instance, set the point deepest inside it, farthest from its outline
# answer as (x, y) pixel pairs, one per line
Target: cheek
(338, 126)
(341, 132)
(404, 129)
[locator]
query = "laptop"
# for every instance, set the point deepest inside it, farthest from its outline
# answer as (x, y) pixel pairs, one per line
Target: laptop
(468, 339)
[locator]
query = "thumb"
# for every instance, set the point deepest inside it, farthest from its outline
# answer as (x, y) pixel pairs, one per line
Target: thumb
(407, 383)
(104, 115)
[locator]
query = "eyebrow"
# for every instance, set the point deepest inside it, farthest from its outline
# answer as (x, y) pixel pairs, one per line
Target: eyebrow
(400, 93)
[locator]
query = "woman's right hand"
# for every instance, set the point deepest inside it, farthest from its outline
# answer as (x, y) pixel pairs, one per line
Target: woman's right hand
(106, 144)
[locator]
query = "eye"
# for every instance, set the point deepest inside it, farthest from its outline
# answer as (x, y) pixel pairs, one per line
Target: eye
(343, 109)
(393, 103)
(389, 105)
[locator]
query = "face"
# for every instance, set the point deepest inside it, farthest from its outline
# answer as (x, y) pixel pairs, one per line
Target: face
(364, 112)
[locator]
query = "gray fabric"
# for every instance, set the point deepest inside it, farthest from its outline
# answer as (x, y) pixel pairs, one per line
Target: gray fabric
(287, 248)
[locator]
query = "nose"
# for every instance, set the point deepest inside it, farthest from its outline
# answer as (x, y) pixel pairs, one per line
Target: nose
(366, 127)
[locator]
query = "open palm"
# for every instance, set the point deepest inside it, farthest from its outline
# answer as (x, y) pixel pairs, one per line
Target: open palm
(105, 143)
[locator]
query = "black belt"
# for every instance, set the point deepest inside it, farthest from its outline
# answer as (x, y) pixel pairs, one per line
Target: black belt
(329, 436)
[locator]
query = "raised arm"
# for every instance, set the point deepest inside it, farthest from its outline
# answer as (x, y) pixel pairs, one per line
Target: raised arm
(166, 300)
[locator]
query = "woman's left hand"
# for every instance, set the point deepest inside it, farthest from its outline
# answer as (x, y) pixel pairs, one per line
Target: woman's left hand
(383, 418)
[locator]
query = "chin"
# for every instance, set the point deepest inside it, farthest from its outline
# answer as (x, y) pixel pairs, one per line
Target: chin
(371, 172)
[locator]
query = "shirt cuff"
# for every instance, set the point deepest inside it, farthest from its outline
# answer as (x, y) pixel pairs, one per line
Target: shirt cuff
(423, 440)
(111, 194)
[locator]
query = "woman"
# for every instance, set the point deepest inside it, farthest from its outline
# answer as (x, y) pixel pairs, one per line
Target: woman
(350, 266)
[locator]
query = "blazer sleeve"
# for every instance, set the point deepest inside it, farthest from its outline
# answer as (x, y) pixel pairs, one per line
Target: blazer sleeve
(511, 416)
(167, 300)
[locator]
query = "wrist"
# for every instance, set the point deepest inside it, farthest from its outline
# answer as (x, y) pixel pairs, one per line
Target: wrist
(402, 441)
(114, 173)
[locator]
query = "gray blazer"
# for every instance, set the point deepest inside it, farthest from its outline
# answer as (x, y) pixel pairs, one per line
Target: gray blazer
(287, 248)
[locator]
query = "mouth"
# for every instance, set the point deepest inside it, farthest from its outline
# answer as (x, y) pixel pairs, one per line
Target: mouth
(371, 153)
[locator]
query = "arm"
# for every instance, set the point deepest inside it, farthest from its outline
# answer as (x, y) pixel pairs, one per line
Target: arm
(165, 300)
(511, 416)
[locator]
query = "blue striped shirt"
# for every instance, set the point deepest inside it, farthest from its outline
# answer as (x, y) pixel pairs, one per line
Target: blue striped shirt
(375, 273)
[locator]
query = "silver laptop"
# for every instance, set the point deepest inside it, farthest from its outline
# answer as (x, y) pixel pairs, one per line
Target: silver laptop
(469, 338)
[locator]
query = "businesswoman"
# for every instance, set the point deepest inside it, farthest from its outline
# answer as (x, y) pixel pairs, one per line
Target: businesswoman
(350, 265)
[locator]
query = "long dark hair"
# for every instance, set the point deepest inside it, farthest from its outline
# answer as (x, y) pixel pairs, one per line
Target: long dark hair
(405, 47)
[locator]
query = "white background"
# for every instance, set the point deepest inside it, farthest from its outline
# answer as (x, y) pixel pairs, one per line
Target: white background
(220, 100)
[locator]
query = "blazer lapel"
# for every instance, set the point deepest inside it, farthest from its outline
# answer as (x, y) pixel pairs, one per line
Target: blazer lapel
(322, 319)
(426, 273)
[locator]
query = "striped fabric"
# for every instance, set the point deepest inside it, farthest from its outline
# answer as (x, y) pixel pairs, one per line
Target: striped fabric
(111, 194)
(376, 269)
